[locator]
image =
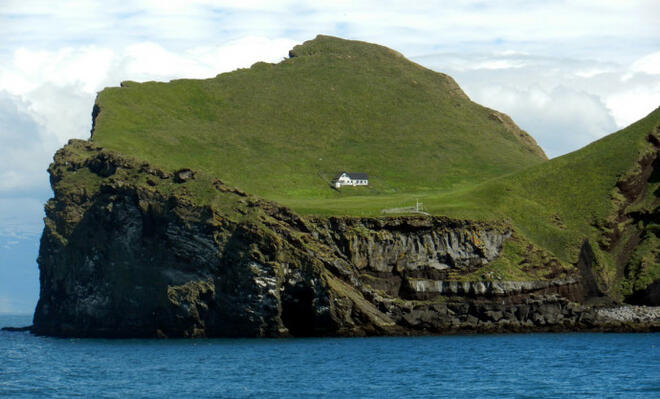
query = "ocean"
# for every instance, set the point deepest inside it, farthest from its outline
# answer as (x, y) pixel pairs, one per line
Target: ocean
(576, 365)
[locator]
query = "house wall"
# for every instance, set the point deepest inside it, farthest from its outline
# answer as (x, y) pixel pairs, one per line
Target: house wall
(349, 182)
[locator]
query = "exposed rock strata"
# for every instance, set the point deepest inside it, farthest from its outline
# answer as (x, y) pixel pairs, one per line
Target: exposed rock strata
(126, 253)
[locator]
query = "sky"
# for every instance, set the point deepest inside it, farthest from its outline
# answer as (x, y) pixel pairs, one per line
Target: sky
(568, 72)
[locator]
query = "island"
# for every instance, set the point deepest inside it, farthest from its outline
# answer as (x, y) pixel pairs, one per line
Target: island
(211, 208)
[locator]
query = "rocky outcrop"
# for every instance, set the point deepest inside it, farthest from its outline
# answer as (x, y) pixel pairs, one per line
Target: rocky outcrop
(630, 234)
(413, 243)
(129, 250)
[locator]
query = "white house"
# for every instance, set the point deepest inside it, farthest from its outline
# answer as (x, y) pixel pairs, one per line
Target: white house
(350, 179)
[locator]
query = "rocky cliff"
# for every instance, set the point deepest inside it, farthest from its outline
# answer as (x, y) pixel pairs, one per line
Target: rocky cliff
(127, 252)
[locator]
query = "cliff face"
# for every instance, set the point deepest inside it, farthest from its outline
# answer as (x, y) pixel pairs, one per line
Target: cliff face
(126, 253)
(122, 258)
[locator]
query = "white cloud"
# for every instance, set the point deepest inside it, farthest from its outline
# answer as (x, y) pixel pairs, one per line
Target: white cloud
(148, 60)
(499, 64)
(25, 149)
(635, 103)
(590, 72)
(648, 64)
(575, 27)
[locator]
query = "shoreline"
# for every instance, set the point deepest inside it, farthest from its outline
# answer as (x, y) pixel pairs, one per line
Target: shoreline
(617, 319)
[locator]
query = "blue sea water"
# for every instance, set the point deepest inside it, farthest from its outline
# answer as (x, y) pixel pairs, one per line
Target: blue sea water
(479, 366)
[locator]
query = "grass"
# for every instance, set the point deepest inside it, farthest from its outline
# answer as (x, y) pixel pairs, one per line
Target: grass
(283, 131)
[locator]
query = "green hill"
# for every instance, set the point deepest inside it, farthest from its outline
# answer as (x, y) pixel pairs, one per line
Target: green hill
(282, 131)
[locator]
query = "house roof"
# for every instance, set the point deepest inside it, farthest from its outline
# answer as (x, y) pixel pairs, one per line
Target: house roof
(352, 175)
(356, 176)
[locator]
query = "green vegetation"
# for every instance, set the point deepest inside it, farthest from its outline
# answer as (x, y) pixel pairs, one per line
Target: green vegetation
(522, 261)
(282, 131)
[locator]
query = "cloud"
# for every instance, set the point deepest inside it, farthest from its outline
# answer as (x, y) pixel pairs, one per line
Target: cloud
(634, 103)
(151, 61)
(648, 64)
(576, 26)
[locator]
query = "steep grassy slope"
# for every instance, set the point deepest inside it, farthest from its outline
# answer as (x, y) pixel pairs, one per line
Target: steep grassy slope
(282, 131)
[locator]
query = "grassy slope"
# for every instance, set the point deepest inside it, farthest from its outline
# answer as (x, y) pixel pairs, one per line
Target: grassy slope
(557, 204)
(282, 131)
